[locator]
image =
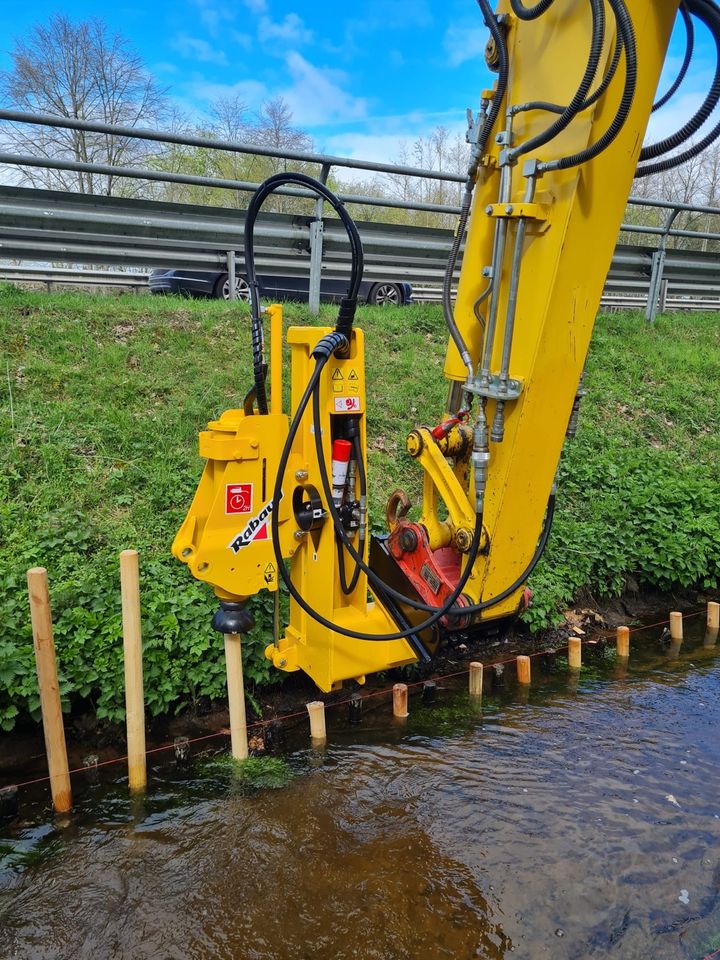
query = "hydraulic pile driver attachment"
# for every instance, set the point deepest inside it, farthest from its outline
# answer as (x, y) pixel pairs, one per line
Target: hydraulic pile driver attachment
(283, 498)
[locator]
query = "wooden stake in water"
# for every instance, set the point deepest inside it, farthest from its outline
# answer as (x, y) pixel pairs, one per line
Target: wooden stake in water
(676, 625)
(316, 710)
(236, 696)
(713, 616)
(623, 642)
(523, 670)
(575, 653)
(133, 656)
(53, 729)
(400, 701)
(476, 680)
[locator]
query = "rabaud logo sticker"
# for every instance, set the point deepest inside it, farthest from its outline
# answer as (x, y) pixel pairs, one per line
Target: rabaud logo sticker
(238, 498)
(255, 529)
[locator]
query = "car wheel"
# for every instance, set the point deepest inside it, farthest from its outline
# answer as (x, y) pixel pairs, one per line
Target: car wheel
(386, 295)
(242, 288)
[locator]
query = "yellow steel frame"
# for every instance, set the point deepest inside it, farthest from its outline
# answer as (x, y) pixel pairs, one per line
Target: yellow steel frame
(571, 227)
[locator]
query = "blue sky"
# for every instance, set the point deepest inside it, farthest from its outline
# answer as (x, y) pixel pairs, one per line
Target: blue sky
(361, 78)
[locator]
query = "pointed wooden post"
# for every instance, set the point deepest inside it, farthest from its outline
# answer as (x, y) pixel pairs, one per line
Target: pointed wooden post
(133, 657)
(236, 696)
(46, 663)
(316, 711)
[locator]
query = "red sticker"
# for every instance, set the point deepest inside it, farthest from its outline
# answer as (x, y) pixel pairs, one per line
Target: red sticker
(238, 498)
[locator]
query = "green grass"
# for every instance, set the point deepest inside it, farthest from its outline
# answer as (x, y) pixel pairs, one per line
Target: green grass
(99, 453)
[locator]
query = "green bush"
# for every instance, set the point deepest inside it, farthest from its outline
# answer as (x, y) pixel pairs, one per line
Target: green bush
(99, 418)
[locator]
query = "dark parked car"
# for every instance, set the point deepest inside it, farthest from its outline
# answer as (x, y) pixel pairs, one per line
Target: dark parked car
(213, 283)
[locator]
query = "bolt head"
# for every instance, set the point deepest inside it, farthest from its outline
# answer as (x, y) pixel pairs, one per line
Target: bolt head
(301, 475)
(299, 534)
(488, 210)
(282, 663)
(509, 209)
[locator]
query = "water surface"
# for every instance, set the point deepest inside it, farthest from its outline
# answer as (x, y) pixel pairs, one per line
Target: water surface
(579, 820)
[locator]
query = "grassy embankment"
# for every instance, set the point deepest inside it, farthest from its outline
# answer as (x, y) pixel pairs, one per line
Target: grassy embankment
(99, 454)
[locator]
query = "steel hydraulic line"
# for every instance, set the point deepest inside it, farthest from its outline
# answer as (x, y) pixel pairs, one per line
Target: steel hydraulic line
(488, 124)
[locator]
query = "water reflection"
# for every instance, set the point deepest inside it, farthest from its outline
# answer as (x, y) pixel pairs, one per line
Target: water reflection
(577, 818)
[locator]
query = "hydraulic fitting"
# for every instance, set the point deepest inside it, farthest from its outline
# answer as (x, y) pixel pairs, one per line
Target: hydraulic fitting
(480, 458)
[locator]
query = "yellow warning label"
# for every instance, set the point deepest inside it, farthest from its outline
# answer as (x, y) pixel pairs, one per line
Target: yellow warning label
(353, 375)
(269, 573)
(337, 374)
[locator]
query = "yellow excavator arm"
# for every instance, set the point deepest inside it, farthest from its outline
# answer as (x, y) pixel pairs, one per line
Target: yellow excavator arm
(283, 498)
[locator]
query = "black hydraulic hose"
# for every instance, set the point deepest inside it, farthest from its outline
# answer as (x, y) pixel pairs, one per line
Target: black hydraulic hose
(374, 579)
(625, 28)
(707, 12)
(347, 588)
(592, 98)
(713, 24)
(347, 309)
(689, 48)
(439, 612)
(530, 13)
(573, 108)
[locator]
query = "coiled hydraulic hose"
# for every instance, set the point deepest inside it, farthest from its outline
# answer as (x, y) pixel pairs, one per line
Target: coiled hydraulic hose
(626, 30)
(707, 13)
(710, 15)
(576, 104)
(689, 48)
(347, 307)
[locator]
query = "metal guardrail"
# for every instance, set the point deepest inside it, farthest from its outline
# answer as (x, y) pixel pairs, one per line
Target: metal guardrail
(57, 227)
(46, 225)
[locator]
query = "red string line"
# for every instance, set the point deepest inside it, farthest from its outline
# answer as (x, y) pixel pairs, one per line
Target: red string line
(283, 718)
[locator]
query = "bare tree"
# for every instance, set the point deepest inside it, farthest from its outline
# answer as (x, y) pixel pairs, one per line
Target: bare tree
(81, 71)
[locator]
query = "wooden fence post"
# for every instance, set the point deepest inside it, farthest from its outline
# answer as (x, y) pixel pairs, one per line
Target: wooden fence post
(133, 658)
(53, 729)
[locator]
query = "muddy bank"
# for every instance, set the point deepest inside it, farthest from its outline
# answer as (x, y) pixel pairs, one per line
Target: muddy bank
(91, 741)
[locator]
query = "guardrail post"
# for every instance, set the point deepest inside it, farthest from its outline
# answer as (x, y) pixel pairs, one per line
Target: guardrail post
(316, 248)
(231, 274)
(658, 286)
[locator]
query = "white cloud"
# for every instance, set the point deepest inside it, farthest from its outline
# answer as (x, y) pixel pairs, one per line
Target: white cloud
(463, 42)
(290, 30)
(213, 14)
(200, 50)
(257, 6)
(317, 97)
(251, 92)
